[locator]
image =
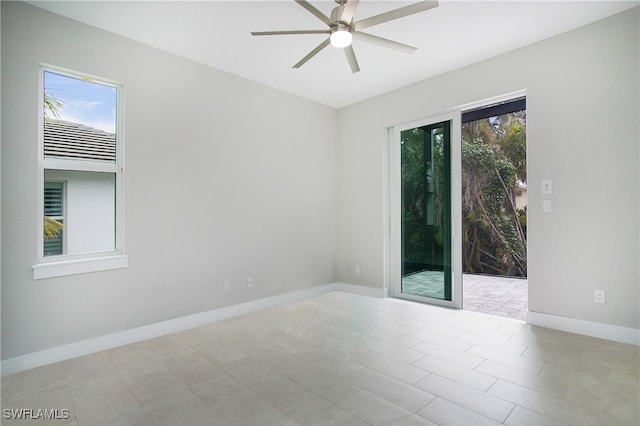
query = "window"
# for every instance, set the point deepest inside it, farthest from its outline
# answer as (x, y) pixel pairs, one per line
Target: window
(80, 175)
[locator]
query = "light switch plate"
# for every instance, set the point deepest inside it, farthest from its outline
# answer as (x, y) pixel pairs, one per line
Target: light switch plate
(547, 187)
(546, 206)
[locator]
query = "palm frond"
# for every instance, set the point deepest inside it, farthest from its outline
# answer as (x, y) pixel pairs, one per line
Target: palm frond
(52, 105)
(52, 228)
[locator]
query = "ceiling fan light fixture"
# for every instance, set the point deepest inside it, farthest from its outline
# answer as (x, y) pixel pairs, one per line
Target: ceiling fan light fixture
(341, 36)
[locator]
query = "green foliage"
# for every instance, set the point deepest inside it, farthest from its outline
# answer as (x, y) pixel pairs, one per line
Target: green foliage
(522, 219)
(514, 147)
(494, 231)
(508, 134)
(414, 185)
(423, 213)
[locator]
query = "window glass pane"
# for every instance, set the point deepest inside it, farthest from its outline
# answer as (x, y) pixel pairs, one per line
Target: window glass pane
(53, 199)
(54, 218)
(89, 201)
(426, 211)
(80, 157)
(80, 118)
(53, 246)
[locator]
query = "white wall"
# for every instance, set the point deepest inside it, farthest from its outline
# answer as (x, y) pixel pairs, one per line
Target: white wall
(89, 207)
(582, 119)
(224, 179)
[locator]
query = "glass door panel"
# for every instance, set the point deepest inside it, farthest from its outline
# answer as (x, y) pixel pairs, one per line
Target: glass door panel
(426, 211)
(424, 245)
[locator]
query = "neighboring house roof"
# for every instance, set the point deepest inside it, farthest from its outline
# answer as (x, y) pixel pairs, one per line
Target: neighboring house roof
(65, 139)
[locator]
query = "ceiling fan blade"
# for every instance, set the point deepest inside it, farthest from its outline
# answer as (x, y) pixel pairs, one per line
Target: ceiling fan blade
(321, 16)
(351, 57)
(311, 54)
(394, 14)
(384, 42)
(264, 33)
(348, 11)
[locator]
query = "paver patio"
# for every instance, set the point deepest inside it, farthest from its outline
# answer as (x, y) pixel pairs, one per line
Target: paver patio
(501, 296)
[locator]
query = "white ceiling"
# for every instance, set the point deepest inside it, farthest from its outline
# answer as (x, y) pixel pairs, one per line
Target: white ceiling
(217, 33)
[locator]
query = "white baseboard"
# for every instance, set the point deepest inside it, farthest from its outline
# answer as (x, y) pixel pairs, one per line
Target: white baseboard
(134, 335)
(362, 290)
(588, 328)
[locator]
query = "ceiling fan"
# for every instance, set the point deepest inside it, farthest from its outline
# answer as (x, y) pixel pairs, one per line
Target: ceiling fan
(342, 28)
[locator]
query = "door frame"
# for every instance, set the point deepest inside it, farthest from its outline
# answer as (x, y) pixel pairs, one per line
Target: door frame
(394, 255)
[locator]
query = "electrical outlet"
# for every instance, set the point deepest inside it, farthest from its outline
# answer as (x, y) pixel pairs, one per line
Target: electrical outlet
(599, 296)
(227, 286)
(249, 282)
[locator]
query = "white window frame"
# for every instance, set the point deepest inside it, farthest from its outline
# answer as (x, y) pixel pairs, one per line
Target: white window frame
(56, 266)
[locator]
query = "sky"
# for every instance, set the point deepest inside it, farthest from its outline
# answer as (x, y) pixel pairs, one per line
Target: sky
(86, 102)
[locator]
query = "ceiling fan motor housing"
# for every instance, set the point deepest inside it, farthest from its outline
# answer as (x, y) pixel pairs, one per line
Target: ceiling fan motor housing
(336, 15)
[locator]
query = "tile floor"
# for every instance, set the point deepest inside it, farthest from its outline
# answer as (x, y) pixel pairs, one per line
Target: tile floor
(343, 359)
(425, 283)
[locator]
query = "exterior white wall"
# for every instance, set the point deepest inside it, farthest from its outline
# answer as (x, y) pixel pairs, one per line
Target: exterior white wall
(521, 200)
(89, 210)
(224, 179)
(583, 133)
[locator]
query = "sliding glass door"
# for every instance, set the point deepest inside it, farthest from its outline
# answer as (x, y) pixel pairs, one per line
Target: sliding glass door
(425, 262)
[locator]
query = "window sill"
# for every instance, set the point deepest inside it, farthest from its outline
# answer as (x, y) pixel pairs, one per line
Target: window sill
(80, 266)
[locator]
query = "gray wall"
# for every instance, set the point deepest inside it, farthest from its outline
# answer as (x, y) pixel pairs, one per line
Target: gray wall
(225, 179)
(582, 108)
